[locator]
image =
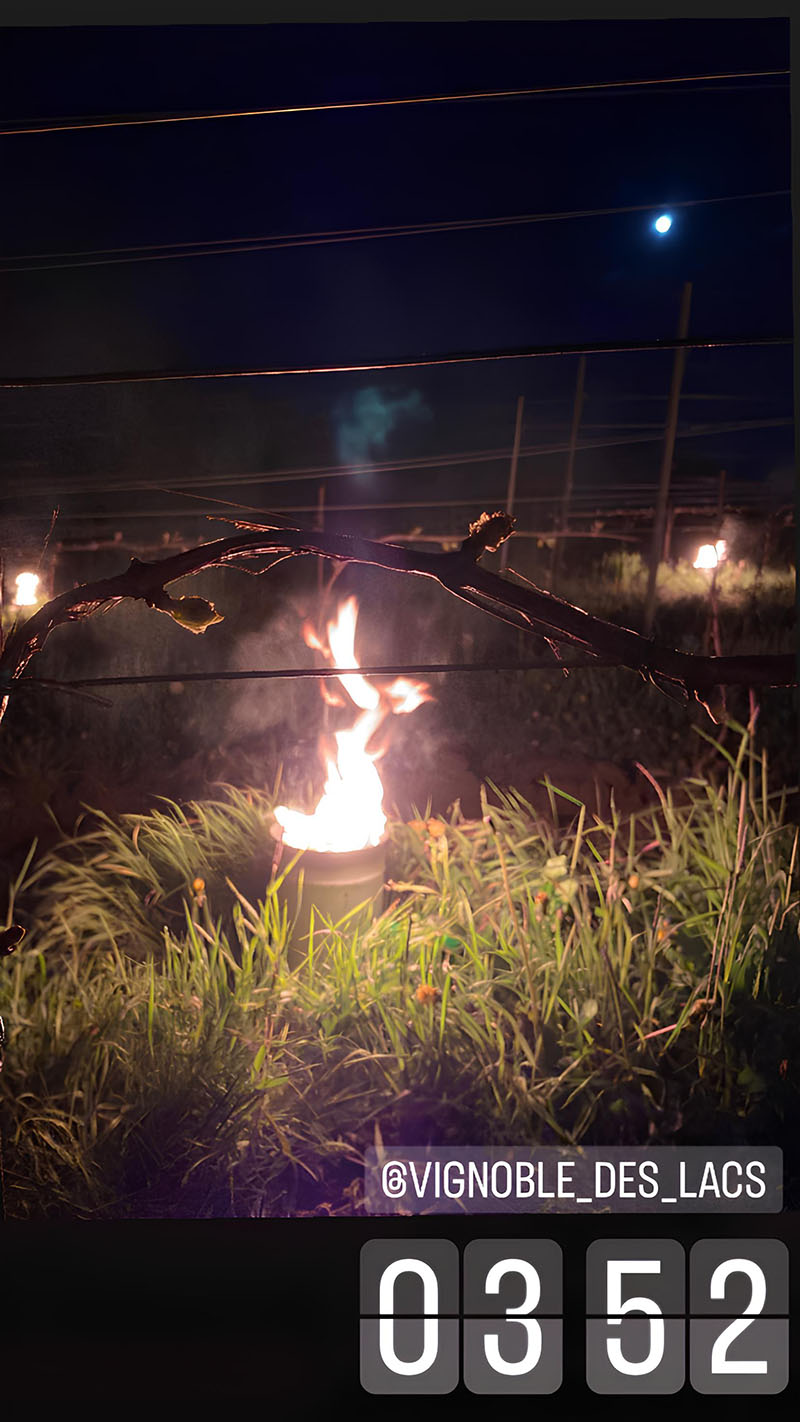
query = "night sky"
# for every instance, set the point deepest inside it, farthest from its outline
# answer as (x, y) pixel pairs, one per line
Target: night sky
(605, 277)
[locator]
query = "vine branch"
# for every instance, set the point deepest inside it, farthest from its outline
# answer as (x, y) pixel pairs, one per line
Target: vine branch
(525, 607)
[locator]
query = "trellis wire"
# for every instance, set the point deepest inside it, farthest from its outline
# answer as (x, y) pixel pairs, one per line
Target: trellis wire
(290, 673)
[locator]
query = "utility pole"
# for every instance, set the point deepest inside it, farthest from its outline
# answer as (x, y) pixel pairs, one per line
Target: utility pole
(659, 525)
(563, 520)
(512, 477)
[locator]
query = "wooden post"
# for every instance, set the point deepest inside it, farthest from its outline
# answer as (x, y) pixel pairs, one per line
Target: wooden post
(767, 541)
(712, 636)
(320, 524)
(512, 477)
(670, 523)
(721, 501)
(562, 522)
(678, 366)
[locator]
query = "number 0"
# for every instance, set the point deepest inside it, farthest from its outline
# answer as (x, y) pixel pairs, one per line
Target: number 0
(430, 1325)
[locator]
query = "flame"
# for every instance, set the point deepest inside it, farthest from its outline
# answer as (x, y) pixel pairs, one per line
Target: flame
(342, 647)
(27, 584)
(350, 814)
(707, 556)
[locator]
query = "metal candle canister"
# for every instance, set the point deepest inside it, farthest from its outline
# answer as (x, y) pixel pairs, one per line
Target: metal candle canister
(332, 884)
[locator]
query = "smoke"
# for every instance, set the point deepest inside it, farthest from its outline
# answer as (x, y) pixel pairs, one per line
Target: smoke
(365, 420)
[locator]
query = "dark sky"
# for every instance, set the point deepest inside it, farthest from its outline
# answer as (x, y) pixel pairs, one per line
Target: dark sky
(589, 279)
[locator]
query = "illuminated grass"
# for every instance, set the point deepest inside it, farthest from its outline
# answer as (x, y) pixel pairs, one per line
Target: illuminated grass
(614, 982)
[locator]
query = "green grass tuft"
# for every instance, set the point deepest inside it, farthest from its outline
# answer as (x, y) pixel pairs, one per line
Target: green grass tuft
(609, 982)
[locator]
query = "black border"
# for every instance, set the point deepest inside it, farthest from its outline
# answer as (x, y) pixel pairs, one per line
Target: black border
(267, 1310)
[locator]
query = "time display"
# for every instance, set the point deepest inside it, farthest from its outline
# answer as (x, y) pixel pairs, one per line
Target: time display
(493, 1319)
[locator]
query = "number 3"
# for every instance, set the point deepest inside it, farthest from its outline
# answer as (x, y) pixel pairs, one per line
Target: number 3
(533, 1329)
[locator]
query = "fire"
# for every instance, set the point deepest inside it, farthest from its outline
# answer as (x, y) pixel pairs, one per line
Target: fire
(350, 815)
(27, 584)
(710, 554)
(706, 556)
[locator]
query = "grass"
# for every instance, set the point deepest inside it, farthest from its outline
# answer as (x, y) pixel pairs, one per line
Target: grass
(623, 580)
(603, 982)
(127, 879)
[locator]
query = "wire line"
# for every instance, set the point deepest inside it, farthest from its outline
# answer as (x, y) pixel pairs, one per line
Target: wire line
(38, 382)
(220, 247)
(289, 673)
(143, 120)
(340, 471)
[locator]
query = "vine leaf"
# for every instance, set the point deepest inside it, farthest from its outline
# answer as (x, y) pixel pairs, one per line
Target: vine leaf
(193, 613)
(487, 533)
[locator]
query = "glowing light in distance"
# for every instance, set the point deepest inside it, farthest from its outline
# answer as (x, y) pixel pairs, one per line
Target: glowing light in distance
(707, 556)
(27, 583)
(663, 223)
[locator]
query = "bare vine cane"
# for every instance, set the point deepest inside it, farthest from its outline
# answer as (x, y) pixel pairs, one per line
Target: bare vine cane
(9, 940)
(527, 608)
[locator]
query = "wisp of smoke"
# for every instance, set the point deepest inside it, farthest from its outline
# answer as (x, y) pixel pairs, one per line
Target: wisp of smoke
(365, 420)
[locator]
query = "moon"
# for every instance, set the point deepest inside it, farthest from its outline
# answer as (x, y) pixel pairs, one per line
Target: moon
(663, 223)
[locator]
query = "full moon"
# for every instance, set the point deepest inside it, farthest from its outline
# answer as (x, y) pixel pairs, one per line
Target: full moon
(663, 223)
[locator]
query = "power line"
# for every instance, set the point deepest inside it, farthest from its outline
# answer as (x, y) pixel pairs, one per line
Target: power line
(225, 246)
(341, 471)
(38, 382)
(144, 120)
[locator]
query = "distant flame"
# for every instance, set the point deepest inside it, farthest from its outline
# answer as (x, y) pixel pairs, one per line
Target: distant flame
(350, 815)
(706, 556)
(27, 584)
(710, 554)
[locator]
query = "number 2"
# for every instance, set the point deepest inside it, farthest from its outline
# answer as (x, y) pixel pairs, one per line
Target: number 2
(720, 1362)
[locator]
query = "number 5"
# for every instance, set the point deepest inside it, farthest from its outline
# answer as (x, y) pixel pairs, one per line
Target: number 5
(615, 1269)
